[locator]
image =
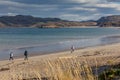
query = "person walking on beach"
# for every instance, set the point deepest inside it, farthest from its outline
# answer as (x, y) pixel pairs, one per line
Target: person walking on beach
(11, 56)
(26, 55)
(72, 49)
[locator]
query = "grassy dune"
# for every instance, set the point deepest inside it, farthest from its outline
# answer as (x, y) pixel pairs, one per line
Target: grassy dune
(84, 64)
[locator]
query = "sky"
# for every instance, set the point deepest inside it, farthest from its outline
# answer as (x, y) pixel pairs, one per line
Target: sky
(73, 10)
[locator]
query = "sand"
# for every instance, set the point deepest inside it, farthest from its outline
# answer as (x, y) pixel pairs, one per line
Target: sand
(98, 55)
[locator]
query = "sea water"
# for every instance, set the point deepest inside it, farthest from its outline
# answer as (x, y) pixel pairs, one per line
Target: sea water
(42, 41)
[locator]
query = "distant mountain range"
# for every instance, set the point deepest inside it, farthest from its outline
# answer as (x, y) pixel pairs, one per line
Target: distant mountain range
(30, 21)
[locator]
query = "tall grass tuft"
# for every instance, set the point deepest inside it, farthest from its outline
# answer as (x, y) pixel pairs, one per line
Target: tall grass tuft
(52, 69)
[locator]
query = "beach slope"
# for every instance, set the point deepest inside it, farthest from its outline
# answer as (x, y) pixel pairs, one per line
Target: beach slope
(62, 65)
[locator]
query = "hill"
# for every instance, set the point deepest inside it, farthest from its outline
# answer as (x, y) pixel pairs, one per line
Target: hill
(109, 21)
(30, 21)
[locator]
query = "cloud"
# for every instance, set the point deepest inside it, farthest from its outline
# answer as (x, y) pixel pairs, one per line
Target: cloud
(110, 5)
(8, 14)
(78, 17)
(65, 9)
(11, 3)
(85, 1)
(10, 6)
(11, 14)
(18, 4)
(72, 17)
(82, 8)
(56, 1)
(114, 6)
(113, 0)
(41, 1)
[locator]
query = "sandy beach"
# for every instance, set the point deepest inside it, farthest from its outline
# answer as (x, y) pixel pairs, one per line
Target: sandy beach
(92, 56)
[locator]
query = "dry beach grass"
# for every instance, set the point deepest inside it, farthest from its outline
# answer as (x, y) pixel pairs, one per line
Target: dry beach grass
(83, 64)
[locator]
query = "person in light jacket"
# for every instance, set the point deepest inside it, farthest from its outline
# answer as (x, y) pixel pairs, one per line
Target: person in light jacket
(11, 56)
(72, 49)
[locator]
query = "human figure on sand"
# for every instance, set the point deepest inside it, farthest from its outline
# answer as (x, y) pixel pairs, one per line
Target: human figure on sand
(26, 55)
(72, 49)
(11, 56)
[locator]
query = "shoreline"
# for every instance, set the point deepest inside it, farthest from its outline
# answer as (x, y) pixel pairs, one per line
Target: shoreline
(65, 51)
(62, 51)
(99, 56)
(61, 46)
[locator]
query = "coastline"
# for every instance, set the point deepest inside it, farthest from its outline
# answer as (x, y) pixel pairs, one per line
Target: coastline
(80, 41)
(92, 56)
(37, 53)
(75, 53)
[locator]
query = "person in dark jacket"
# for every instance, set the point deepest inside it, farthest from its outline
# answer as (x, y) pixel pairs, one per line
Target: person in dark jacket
(26, 55)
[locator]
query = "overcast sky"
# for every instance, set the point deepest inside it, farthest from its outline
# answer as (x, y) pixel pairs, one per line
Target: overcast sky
(76, 10)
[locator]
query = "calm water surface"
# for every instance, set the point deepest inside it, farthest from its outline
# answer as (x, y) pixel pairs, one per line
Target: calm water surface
(51, 40)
